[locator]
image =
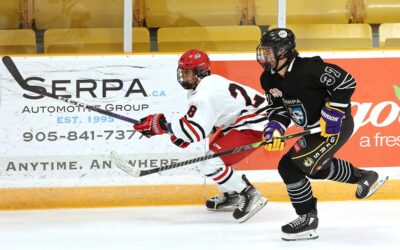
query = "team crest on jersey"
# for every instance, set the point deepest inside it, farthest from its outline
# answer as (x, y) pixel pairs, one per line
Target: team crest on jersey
(308, 162)
(296, 111)
(297, 148)
(275, 92)
(302, 142)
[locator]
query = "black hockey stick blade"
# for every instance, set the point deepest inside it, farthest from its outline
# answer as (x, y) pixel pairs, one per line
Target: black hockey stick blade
(12, 68)
(137, 172)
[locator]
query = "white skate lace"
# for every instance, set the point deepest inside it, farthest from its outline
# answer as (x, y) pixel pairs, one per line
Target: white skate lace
(221, 199)
(297, 222)
(242, 202)
(360, 189)
(218, 199)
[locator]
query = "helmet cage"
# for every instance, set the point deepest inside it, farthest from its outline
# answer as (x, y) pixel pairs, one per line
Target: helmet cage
(187, 84)
(197, 61)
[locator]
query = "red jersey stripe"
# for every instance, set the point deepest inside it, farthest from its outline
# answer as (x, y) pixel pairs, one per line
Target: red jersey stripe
(245, 117)
(219, 177)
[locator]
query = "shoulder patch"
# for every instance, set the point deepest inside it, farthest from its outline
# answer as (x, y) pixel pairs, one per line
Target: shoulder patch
(275, 92)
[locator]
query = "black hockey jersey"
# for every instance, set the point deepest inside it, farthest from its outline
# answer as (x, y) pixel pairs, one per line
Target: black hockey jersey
(307, 85)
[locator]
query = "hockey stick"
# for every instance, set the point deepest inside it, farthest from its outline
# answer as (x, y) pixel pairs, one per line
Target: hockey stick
(12, 68)
(137, 172)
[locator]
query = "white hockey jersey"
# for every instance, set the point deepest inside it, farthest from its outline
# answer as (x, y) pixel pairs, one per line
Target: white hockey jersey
(219, 102)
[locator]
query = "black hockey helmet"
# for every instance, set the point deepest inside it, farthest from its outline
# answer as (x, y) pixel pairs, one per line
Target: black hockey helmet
(281, 41)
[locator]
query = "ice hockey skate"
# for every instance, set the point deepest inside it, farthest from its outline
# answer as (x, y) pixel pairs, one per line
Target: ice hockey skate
(369, 183)
(227, 202)
(250, 202)
(302, 228)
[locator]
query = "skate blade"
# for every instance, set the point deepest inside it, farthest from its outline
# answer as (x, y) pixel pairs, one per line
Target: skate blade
(377, 185)
(224, 209)
(257, 206)
(307, 235)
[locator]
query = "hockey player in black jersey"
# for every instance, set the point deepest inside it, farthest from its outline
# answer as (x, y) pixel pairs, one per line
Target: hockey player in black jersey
(310, 93)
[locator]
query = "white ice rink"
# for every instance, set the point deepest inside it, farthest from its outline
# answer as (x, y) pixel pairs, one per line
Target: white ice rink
(343, 225)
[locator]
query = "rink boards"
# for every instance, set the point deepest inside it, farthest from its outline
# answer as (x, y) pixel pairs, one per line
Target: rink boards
(57, 155)
(172, 194)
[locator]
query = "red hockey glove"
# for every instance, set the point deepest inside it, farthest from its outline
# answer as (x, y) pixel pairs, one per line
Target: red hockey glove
(151, 125)
(179, 142)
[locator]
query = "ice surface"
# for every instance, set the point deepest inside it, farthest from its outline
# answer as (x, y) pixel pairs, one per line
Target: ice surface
(343, 225)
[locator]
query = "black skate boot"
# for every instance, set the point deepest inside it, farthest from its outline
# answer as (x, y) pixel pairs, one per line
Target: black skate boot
(224, 202)
(369, 183)
(250, 202)
(302, 228)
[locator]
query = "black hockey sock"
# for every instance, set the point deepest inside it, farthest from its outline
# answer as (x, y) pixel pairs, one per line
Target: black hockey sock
(301, 196)
(342, 171)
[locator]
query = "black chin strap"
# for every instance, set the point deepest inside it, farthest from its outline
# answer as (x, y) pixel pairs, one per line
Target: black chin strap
(289, 59)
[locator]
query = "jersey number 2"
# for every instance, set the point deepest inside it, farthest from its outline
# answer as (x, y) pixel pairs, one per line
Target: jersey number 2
(234, 89)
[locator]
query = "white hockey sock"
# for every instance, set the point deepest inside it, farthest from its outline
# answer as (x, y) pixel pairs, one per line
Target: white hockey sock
(228, 180)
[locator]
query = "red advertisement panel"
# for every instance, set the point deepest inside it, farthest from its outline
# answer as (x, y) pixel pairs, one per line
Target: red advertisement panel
(375, 107)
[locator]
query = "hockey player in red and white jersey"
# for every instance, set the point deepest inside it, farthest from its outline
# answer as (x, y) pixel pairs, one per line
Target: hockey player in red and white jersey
(216, 102)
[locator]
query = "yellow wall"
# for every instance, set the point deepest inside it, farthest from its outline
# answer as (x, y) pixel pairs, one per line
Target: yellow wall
(44, 198)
